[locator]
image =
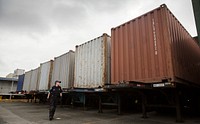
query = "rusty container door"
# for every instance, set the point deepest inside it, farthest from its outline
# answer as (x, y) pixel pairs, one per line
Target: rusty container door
(145, 49)
(92, 63)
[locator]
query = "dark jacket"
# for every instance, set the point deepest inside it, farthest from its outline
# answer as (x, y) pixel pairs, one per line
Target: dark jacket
(55, 92)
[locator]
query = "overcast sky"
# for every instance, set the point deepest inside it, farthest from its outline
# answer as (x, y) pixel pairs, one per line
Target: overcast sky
(35, 31)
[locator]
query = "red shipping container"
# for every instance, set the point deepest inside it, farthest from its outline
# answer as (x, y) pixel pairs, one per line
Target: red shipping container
(154, 48)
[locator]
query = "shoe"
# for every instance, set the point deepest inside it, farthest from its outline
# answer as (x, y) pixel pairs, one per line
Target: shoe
(50, 118)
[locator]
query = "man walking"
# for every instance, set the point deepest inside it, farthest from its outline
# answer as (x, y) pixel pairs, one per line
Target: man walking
(54, 94)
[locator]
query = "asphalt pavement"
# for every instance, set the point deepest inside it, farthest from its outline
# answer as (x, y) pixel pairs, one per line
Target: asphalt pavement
(35, 113)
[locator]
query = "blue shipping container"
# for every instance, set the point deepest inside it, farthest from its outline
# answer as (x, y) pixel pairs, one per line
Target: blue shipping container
(20, 82)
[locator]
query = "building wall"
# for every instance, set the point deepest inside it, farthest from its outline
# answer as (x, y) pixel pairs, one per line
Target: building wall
(196, 9)
(5, 86)
(18, 72)
(10, 75)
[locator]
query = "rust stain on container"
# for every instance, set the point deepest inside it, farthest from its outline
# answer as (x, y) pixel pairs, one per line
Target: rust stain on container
(153, 48)
(92, 63)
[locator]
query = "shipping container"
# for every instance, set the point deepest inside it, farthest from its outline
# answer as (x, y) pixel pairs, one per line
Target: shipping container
(45, 75)
(92, 63)
(154, 48)
(20, 82)
(34, 79)
(63, 70)
(27, 81)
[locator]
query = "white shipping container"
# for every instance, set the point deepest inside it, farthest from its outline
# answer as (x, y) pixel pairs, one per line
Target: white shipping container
(34, 79)
(45, 75)
(92, 63)
(63, 69)
(27, 81)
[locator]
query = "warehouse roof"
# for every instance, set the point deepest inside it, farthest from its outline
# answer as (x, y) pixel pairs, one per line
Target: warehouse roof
(8, 79)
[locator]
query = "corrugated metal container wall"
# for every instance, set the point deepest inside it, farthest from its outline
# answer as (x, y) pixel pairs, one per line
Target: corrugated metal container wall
(152, 48)
(34, 79)
(56, 70)
(185, 51)
(63, 69)
(27, 81)
(20, 83)
(92, 63)
(45, 75)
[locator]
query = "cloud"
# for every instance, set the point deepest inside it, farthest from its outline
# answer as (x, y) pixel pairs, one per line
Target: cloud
(2, 63)
(105, 6)
(35, 31)
(39, 16)
(68, 16)
(23, 16)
